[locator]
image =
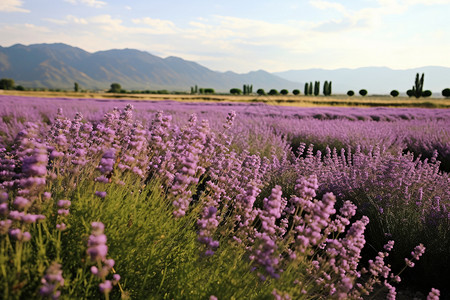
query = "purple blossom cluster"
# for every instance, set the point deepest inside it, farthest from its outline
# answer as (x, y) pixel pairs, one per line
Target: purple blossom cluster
(242, 181)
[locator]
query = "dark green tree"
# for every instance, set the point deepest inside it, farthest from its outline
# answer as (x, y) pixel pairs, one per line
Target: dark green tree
(76, 87)
(115, 88)
(296, 92)
(316, 88)
(306, 90)
(201, 91)
(394, 93)
(329, 89)
(273, 92)
(363, 92)
(426, 93)
(284, 92)
(350, 93)
(325, 88)
(20, 88)
(6, 84)
(261, 92)
(446, 92)
(310, 88)
(410, 93)
(209, 91)
(235, 91)
(417, 89)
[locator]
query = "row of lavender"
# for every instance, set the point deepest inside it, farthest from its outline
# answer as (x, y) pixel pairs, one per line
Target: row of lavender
(420, 131)
(406, 199)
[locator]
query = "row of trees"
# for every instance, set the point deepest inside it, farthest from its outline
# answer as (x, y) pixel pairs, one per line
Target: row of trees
(202, 91)
(417, 89)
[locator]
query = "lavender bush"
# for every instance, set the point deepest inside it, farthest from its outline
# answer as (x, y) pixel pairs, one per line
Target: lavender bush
(217, 208)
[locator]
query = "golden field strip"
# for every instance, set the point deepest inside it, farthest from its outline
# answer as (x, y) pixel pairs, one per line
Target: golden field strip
(288, 100)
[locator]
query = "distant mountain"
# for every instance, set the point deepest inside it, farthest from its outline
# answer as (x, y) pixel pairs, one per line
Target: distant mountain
(376, 80)
(60, 65)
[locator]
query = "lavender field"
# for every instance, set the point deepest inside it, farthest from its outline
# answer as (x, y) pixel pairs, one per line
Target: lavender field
(171, 200)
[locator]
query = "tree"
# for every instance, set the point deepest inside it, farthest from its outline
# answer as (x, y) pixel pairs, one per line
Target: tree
(115, 88)
(446, 92)
(418, 86)
(6, 84)
(410, 93)
(350, 93)
(261, 92)
(20, 88)
(310, 88)
(235, 91)
(209, 91)
(363, 92)
(329, 88)
(306, 89)
(325, 88)
(426, 93)
(76, 87)
(273, 92)
(296, 92)
(284, 92)
(394, 93)
(316, 88)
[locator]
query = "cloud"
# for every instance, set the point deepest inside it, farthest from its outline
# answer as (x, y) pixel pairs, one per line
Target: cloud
(12, 6)
(68, 20)
(91, 3)
(157, 26)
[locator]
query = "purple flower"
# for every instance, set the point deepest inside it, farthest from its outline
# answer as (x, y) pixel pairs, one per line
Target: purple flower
(105, 287)
(100, 194)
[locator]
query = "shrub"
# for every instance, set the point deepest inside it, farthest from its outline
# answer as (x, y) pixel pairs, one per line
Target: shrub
(6, 84)
(261, 92)
(115, 88)
(296, 92)
(350, 93)
(426, 93)
(394, 93)
(235, 91)
(363, 92)
(410, 93)
(273, 92)
(446, 92)
(284, 92)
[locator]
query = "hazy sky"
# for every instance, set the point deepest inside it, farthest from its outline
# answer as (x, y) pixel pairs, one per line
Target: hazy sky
(245, 35)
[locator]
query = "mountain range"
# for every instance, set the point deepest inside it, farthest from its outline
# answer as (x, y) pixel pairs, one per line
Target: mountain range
(60, 65)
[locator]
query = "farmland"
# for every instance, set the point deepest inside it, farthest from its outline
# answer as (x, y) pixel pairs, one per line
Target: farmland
(223, 198)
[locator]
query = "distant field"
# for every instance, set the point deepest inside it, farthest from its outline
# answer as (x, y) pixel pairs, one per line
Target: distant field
(289, 100)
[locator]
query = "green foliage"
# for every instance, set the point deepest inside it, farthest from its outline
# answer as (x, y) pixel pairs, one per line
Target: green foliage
(426, 93)
(394, 93)
(350, 93)
(115, 88)
(209, 91)
(6, 84)
(446, 92)
(410, 93)
(310, 89)
(296, 92)
(306, 90)
(284, 92)
(261, 92)
(20, 88)
(363, 92)
(247, 89)
(235, 91)
(417, 89)
(273, 92)
(316, 88)
(76, 87)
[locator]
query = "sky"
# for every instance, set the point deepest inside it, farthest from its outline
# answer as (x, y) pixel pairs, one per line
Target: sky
(246, 35)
